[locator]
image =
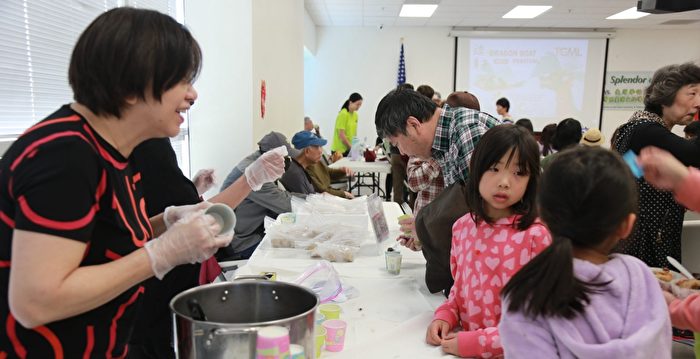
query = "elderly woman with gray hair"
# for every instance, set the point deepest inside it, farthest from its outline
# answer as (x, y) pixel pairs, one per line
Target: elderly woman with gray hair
(672, 98)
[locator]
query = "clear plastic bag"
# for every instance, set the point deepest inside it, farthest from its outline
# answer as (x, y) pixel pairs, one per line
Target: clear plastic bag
(335, 252)
(322, 279)
(324, 203)
(308, 236)
(290, 235)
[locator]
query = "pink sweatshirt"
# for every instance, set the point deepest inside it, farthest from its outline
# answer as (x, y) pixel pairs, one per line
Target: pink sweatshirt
(482, 260)
(685, 313)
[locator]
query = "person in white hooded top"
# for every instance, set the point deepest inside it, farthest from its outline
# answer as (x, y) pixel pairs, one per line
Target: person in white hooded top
(575, 299)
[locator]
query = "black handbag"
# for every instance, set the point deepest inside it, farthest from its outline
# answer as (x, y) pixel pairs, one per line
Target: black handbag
(434, 229)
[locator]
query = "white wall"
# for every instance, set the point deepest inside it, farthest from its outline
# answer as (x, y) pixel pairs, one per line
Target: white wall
(309, 33)
(646, 50)
(220, 125)
(365, 60)
(244, 42)
(278, 55)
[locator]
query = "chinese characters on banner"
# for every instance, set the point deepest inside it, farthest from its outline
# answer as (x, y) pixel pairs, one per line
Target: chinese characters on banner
(625, 89)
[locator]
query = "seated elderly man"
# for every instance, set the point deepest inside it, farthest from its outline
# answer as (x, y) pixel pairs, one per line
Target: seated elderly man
(320, 175)
(269, 201)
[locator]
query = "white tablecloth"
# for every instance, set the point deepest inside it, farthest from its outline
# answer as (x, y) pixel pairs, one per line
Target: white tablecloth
(391, 313)
(389, 317)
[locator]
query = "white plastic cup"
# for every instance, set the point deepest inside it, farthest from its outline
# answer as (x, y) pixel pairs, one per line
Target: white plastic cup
(223, 215)
(393, 262)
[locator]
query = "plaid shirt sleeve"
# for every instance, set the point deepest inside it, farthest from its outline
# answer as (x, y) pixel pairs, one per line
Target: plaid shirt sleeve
(425, 178)
(421, 173)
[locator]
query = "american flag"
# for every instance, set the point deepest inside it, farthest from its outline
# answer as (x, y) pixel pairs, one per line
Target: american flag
(401, 79)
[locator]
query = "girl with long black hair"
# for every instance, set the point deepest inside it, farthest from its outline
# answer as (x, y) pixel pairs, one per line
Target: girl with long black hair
(575, 299)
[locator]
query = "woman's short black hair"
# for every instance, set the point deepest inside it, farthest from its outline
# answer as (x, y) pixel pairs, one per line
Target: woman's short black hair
(128, 52)
(497, 142)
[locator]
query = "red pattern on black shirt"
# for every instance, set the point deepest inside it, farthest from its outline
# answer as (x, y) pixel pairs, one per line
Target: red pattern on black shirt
(61, 178)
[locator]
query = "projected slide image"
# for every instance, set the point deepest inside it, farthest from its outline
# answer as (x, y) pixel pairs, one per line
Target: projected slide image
(545, 79)
(547, 75)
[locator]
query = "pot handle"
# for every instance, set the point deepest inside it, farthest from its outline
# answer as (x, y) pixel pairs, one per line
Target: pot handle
(250, 277)
(232, 331)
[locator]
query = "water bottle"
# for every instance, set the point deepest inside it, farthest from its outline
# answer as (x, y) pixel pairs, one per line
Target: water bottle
(355, 149)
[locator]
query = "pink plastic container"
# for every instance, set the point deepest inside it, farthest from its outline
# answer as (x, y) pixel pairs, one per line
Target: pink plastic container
(335, 334)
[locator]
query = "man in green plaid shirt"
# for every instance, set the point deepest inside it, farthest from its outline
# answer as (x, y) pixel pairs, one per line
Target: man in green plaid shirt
(414, 124)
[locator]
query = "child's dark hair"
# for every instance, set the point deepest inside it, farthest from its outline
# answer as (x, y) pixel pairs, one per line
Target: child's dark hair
(496, 143)
(584, 196)
(503, 102)
(546, 138)
(525, 122)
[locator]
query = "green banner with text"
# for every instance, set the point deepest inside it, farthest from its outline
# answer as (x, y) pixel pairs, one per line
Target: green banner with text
(625, 89)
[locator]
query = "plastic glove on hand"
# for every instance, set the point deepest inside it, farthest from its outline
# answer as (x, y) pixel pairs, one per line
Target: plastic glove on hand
(190, 240)
(204, 180)
(267, 168)
(173, 214)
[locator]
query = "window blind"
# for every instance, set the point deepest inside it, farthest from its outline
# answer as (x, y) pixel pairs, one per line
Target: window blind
(38, 38)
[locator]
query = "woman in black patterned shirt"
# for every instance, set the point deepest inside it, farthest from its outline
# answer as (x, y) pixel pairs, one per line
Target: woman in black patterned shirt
(672, 98)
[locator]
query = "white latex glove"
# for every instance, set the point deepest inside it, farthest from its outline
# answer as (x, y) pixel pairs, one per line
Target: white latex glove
(204, 180)
(190, 240)
(173, 214)
(267, 168)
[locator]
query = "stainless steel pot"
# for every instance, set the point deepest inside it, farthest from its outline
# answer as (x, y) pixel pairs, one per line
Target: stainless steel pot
(221, 320)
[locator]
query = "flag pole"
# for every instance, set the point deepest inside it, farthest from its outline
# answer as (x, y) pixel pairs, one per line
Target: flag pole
(401, 76)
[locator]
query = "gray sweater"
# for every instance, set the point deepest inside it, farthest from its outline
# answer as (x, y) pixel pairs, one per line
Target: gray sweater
(250, 214)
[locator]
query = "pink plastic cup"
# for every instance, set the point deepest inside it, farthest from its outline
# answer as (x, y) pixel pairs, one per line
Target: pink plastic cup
(273, 343)
(335, 334)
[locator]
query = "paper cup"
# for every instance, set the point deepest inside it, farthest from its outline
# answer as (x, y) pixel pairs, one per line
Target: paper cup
(330, 311)
(272, 343)
(335, 334)
(296, 351)
(319, 340)
(393, 262)
(223, 215)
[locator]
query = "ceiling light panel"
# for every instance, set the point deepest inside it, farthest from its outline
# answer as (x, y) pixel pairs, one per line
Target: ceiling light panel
(417, 10)
(629, 14)
(526, 12)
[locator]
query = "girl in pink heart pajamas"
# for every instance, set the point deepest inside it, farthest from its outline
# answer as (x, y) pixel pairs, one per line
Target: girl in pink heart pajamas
(491, 243)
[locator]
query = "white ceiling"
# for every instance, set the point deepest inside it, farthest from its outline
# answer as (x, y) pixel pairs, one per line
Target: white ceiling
(487, 13)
